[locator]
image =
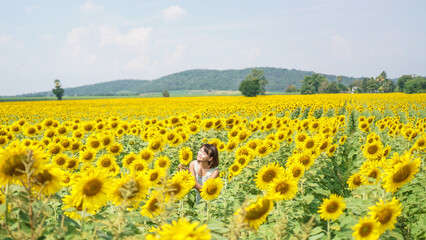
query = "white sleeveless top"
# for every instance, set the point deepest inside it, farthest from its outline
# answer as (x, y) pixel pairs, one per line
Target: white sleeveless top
(201, 179)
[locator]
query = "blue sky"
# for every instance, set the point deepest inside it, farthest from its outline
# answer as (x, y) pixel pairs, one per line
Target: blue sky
(86, 42)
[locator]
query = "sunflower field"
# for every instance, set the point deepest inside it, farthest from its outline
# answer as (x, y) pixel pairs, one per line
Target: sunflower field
(291, 167)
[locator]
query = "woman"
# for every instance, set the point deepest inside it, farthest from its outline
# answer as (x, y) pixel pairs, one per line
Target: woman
(205, 167)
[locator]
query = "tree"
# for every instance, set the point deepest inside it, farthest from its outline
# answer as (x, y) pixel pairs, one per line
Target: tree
(402, 80)
(250, 88)
(311, 84)
(166, 93)
(388, 86)
(291, 88)
(259, 75)
(416, 85)
(254, 84)
(58, 91)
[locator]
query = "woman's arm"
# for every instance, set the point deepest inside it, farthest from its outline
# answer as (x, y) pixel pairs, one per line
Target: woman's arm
(214, 174)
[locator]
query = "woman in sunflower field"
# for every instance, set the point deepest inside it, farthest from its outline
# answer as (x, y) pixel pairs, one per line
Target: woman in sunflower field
(205, 167)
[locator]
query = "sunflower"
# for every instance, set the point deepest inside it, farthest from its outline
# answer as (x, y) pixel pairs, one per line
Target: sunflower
(253, 144)
(267, 174)
(211, 188)
(129, 158)
(186, 176)
(308, 144)
(92, 189)
(156, 144)
(356, 180)
(60, 160)
(138, 166)
(154, 205)
(75, 145)
(177, 187)
(283, 188)
(263, 150)
(366, 229)
(185, 156)
(235, 169)
(373, 150)
(306, 159)
(245, 151)
(255, 214)
(94, 142)
(342, 140)
(401, 173)
(242, 160)
(386, 213)
(331, 208)
(154, 176)
(193, 128)
(106, 140)
(88, 155)
(296, 169)
(300, 137)
(331, 150)
(371, 170)
(13, 159)
(243, 135)
(130, 188)
(324, 144)
(420, 143)
(115, 148)
(162, 162)
(183, 229)
(105, 162)
(72, 163)
(49, 180)
(29, 131)
(54, 148)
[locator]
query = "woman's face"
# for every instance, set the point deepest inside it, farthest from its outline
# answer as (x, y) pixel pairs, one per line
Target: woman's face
(202, 156)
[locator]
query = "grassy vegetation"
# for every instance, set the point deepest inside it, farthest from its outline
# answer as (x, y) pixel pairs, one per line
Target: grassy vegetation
(177, 93)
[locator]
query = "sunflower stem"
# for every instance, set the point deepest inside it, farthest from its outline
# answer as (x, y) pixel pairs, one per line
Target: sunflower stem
(328, 230)
(181, 209)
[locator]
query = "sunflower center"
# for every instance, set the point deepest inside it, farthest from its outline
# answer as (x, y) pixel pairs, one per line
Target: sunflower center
(324, 145)
(15, 167)
(92, 187)
(55, 150)
(71, 164)
(373, 149)
(357, 180)
(95, 144)
(60, 161)
(153, 205)
(139, 167)
(31, 131)
(175, 188)
(305, 160)
(106, 163)
(366, 229)
(332, 207)
(262, 150)
(373, 174)
(114, 149)
(385, 216)
(185, 156)
(43, 177)
(106, 141)
(296, 173)
(282, 188)
(243, 136)
(235, 168)
(211, 190)
(162, 164)
(253, 145)
(310, 144)
(88, 156)
(258, 212)
(402, 174)
(155, 145)
(268, 176)
(301, 138)
(154, 176)
(421, 143)
(130, 160)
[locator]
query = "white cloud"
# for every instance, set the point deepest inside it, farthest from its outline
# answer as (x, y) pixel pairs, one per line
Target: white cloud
(77, 45)
(252, 53)
(6, 38)
(173, 13)
(45, 37)
(174, 58)
(340, 47)
(89, 6)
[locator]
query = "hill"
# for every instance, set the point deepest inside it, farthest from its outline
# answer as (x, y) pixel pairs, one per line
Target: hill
(198, 79)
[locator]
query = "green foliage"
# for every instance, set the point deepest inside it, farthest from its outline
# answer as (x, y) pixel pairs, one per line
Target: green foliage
(415, 85)
(58, 91)
(402, 80)
(199, 79)
(311, 84)
(166, 93)
(291, 88)
(250, 88)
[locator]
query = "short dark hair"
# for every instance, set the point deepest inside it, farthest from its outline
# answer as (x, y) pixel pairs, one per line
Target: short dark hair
(211, 150)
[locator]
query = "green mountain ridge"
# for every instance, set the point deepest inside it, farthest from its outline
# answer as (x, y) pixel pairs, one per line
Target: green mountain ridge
(197, 79)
